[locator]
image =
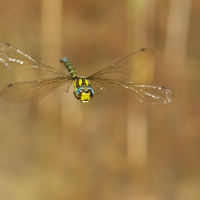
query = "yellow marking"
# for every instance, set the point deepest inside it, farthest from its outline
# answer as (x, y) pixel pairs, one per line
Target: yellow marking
(86, 82)
(85, 97)
(80, 81)
(75, 88)
(74, 83)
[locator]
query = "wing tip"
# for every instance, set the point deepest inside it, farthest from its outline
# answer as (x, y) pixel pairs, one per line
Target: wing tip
(7, 44)
(169, 96)
(143, 49)
(10, 85)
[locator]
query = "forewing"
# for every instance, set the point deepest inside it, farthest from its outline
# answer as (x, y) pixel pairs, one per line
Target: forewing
(136, 93)
(30, 91)
(25, 66)
(128, 68)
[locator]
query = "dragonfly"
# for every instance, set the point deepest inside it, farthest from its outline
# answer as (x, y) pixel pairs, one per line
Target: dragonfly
(41, 79)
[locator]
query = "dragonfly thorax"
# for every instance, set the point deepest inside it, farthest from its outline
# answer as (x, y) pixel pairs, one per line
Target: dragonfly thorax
(82, 89)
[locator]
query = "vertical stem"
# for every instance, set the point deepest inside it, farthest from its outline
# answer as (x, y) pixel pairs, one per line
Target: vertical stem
(136, 24)
(137, 136)
(177, 30)
(137, 127)
(51, 24)
(51, 27)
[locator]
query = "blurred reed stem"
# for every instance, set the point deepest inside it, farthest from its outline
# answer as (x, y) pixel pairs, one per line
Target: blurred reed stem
(177, 31)
(140, 26)
(51, 27)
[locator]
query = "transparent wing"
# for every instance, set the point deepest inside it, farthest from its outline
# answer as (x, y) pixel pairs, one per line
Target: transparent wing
(127, 68)
(24, 65)
(136, 93)
(30, 91)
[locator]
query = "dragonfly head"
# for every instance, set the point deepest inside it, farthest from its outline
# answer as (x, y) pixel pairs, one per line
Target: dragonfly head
(84, 93)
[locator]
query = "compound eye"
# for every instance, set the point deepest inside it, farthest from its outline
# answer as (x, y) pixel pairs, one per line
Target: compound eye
(91, 91)
(80, 90)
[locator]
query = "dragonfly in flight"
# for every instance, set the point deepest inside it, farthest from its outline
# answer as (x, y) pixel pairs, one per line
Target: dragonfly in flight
(40, 79)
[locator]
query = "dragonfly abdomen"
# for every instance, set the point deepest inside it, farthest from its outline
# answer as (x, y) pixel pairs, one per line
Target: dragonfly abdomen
(69, 67)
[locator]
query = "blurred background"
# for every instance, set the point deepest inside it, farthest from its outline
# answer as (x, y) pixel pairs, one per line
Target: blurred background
(109, 149)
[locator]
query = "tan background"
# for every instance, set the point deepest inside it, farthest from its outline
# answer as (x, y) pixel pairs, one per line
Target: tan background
(109, 149)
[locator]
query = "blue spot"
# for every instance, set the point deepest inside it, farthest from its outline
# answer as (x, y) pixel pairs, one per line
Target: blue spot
(64, 59)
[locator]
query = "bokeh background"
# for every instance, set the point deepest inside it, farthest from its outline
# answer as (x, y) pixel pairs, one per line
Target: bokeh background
(109, 149)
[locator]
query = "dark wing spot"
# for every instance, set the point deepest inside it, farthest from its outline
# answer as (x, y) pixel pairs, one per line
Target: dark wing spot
(7, 44)
(10, 85)
(143, 49)
(164, 87)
